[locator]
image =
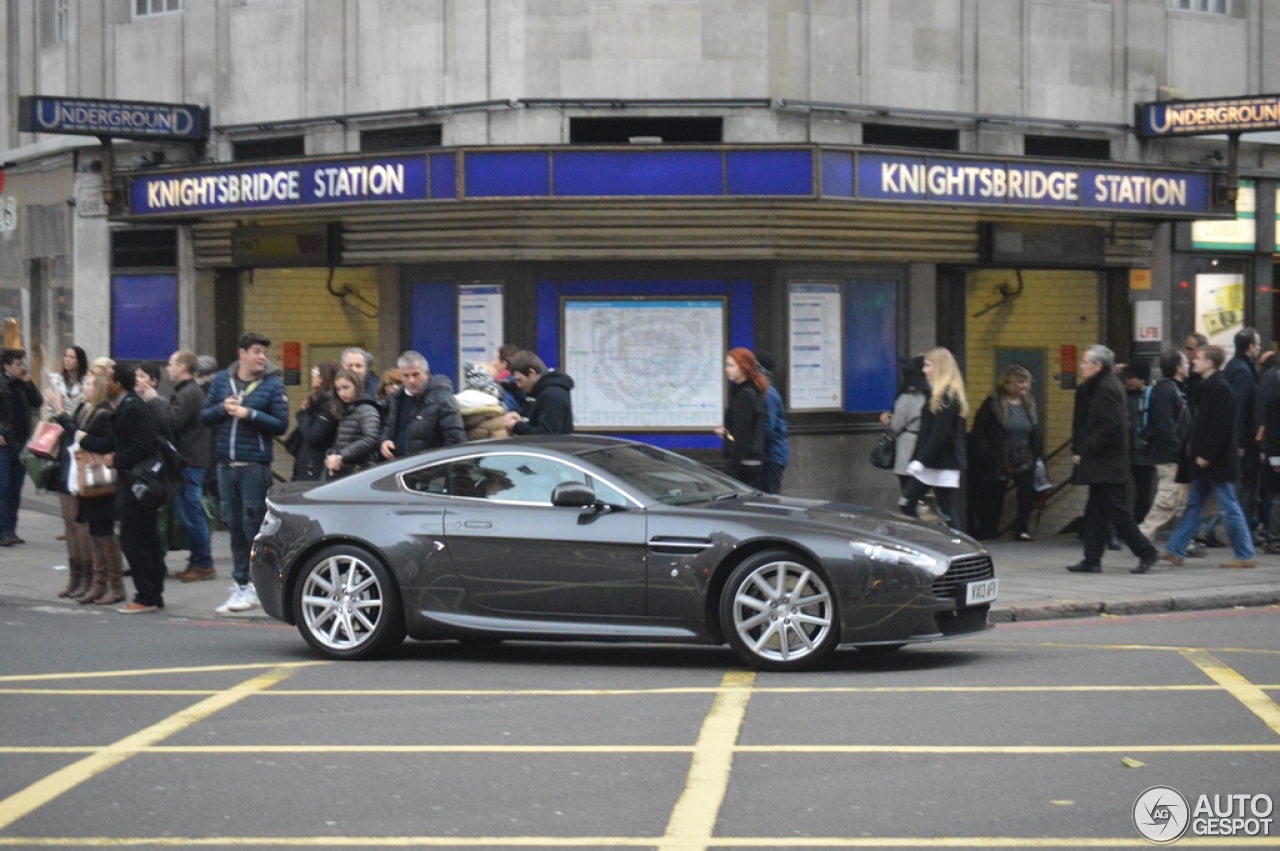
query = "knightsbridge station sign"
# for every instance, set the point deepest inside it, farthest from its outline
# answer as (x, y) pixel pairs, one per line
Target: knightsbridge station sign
(1209, 117)
(726, 172)
(113, 118)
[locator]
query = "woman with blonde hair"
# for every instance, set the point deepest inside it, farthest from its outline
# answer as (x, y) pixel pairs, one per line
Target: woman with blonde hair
(939, 455)
(1004, 445)
(95, 433)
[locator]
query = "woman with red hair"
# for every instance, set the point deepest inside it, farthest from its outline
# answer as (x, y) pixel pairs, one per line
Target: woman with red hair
(743, 429)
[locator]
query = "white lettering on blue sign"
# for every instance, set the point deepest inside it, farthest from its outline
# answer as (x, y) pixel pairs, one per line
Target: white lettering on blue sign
(979, 181)
(206, 190)
(356, 181)
(1140, 189)
(55, 115)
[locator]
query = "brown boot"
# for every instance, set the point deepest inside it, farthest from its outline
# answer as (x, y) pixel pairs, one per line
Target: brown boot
(98, 580)
(76, 582)
(115, 592)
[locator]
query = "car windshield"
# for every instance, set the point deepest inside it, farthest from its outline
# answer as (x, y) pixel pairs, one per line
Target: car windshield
(664, 476)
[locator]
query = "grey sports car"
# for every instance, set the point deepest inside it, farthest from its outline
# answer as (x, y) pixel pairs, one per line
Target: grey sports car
(583, 538)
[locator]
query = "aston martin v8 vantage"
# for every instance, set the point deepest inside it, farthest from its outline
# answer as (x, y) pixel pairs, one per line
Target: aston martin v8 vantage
(581, 538)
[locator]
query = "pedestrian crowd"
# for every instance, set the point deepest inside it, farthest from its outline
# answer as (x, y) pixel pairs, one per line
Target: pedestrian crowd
(1196, 450)
(139, 473)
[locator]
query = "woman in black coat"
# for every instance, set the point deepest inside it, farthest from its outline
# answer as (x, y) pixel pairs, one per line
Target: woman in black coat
(317, 427)
(1004, 445)
(744, 419)
(940, 452)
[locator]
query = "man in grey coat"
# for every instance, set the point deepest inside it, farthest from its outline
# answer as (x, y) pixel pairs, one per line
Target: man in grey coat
(1100, 449)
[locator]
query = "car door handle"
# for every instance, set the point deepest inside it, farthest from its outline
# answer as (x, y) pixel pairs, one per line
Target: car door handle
(478, 524)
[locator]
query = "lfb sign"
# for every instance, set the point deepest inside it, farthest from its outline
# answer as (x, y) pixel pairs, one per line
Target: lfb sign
(1148, 322)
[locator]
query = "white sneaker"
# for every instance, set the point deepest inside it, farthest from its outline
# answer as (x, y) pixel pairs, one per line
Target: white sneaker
(247, 600)
(233, 603)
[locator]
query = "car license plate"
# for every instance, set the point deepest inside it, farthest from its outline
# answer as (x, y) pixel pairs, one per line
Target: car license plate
(977, 593)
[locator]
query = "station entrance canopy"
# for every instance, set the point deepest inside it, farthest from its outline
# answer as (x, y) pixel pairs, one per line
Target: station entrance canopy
(731, 173)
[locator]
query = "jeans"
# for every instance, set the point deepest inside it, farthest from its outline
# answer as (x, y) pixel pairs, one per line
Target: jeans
(12, 475)
(191, 516)
(1106, 507)
(243, 495)
(1232, 518)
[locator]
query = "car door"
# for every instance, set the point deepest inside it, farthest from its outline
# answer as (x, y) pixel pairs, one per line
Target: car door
(516, 552)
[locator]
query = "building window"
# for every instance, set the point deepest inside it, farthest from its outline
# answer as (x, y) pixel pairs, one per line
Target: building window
(53, 22)
(269, 149)
(147, 8)
(1067, 146)
(901, 136)
(400, 138)
(1212, 7)
(642, 130)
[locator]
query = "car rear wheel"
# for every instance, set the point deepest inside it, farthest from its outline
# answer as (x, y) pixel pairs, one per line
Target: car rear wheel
(348, 605)
(778, 613)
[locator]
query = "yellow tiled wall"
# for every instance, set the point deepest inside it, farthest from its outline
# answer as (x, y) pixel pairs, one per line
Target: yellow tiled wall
(295, 305)
(1055, 308)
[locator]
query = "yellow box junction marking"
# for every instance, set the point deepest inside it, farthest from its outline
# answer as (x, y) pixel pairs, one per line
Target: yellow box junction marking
(1254, 698)
(693, 821)
(63, 780)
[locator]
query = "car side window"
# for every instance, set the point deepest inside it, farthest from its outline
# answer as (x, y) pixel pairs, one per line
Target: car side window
(608, 494)
(510, 478)
(432, 480)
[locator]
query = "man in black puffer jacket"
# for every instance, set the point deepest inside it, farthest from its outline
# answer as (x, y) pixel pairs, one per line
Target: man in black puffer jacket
(550, 405)
(1100, 449)
(422, 414)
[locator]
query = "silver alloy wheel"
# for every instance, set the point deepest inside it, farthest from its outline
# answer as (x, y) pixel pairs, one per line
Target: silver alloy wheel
(782, 611)
(342, 602)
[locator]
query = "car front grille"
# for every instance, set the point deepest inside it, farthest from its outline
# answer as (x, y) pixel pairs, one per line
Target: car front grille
(962, 570)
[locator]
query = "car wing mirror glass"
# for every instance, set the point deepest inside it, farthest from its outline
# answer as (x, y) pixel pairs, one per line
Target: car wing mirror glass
(573, 495)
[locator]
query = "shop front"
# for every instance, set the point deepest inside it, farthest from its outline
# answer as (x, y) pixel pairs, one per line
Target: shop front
(635, 269)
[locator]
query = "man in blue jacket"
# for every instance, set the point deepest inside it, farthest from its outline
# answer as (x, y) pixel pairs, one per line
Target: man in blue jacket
(248, 400)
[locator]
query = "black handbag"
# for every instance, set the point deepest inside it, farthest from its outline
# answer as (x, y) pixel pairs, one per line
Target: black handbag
(885, 451)
(146, 483)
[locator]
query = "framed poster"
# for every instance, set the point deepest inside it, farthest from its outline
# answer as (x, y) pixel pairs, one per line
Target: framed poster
(817, 347)
(645, 363)
(479, 324)
(1220, 308)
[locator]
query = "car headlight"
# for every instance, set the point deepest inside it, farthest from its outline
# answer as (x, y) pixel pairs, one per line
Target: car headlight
(896, 555)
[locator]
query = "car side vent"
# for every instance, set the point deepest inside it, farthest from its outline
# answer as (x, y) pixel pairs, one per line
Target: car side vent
(962, 570)
(679, 546)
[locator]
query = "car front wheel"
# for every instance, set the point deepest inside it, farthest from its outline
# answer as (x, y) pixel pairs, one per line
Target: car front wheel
(778, 613)
(348, 605)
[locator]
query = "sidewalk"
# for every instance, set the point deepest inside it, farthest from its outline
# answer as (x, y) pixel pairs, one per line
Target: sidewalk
(1034, 582)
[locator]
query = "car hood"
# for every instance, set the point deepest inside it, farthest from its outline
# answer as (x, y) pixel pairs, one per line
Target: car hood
(857, 521)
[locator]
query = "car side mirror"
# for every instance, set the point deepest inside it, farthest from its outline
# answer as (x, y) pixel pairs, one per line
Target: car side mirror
(573, 495)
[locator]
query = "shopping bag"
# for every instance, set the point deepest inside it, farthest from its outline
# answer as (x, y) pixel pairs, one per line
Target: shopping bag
(46, 440)
(1043, 482)
(42, 471)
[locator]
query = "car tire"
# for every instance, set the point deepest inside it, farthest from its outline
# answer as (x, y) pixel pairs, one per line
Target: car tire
(766, 626)
(348, 606)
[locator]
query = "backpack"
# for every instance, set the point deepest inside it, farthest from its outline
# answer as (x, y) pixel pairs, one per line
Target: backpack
(1142, 433)
(1182, 421)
